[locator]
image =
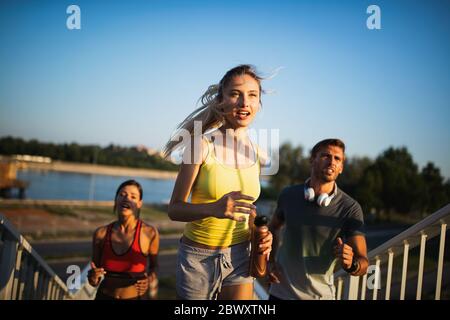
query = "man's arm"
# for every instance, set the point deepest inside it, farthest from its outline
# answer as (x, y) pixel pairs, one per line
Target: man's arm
(353, 255)
(358, 244)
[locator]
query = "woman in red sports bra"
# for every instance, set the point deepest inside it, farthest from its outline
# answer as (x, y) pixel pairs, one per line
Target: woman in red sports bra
(125, 251)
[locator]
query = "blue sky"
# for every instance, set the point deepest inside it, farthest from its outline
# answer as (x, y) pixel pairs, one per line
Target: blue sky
(137, 68)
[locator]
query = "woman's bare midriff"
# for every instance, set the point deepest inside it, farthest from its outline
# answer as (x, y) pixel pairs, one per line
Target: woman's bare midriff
(119, 288)
(188, 241)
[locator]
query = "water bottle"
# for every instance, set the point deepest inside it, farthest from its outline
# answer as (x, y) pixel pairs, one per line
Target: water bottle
(258, 261)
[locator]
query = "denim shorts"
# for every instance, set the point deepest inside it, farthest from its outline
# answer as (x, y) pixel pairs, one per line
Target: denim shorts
(201, 273)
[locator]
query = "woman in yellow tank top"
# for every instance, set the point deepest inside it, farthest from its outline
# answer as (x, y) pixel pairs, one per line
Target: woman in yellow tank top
(220, 172)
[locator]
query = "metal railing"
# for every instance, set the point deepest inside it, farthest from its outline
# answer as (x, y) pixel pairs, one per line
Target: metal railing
(23, 273)
(382, 260)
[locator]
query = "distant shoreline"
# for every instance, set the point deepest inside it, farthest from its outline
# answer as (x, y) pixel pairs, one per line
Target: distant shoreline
(86, 168)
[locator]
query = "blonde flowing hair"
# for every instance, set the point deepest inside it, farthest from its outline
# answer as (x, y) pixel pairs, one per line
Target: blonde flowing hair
(211, 112)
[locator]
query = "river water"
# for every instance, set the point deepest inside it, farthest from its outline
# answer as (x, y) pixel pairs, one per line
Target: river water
(54, 185)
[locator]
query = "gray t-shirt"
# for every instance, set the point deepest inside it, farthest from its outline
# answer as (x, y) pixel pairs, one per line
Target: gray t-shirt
(305, 257)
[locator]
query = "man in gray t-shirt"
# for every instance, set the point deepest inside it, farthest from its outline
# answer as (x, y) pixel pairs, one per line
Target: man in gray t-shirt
(320, 225)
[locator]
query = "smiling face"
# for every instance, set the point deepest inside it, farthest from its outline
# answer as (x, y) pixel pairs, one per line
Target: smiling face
(241, 99)
(128, 201)
(328, 163)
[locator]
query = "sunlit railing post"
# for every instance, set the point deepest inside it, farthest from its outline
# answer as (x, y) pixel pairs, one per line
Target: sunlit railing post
(49, 288)
(377, 272)
(22, 276)
(55, 292)
(351, 288)
(40, 285)
(404, 269)
(440, 262)
(423, 242)
(363, 287)
(389, 275)
(339, 289)
(17, 272)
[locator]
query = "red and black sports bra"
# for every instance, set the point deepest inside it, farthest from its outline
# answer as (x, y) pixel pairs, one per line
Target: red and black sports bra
(132, 261)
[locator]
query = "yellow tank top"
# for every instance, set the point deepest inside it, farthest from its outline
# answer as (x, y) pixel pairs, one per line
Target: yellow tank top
(213, 181)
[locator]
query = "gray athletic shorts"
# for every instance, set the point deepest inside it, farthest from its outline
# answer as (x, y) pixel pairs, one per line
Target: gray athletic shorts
(201, 273)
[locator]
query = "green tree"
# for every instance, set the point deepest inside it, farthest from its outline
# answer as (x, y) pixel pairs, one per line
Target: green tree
(294, 168)
(111, 155)
(434, 195)
(401, 183)
(354, 169)
(447, 190)
(369, 189)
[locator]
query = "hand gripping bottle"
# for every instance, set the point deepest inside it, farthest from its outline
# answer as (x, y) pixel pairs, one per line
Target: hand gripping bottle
(258, 261)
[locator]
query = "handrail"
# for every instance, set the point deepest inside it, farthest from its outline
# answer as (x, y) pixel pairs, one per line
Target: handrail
(430, 227)
(23, 273)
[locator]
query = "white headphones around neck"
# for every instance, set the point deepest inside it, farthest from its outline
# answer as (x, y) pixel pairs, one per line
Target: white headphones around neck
(323, 200)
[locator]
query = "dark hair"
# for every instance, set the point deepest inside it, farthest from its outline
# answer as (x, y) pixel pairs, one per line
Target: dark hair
(325, 143)
(130, 183)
